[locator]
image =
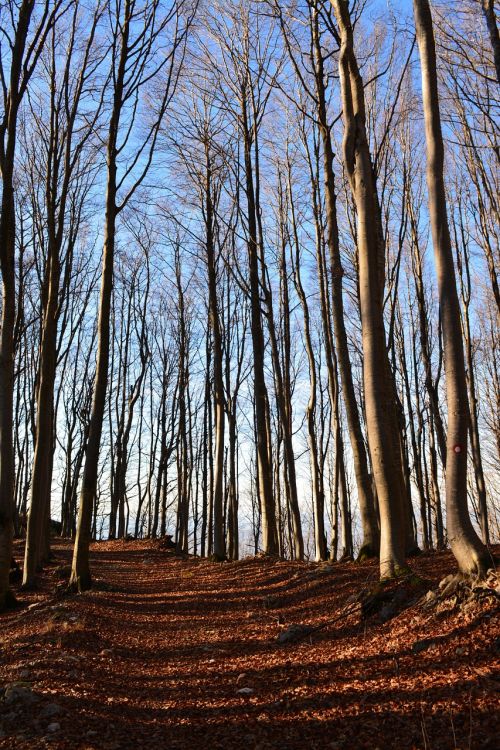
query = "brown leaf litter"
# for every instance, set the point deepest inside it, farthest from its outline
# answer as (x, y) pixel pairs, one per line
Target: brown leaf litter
(167, 652)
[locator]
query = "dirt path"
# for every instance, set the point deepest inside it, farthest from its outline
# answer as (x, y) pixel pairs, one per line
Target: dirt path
(156, 655)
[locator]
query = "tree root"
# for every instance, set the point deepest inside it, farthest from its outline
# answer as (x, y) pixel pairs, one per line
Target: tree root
(460, 591)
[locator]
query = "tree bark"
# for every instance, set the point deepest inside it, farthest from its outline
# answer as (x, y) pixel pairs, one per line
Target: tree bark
(80, 572)
(381, 416)
(370, 540)
(488, 7)
(8, 135)
(472, 556)
(265, 480)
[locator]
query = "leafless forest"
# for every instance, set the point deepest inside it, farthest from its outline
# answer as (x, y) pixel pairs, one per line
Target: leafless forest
(250, 298)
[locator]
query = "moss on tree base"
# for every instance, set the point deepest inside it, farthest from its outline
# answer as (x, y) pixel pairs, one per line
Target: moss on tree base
(367, 552)
(217, 558)
(78, 584)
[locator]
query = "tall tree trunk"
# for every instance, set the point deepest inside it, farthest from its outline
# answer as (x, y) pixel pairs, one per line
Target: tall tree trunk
(316, 474)
(182, 445)
(219, 547)
(370, 530)
(264, 470)
(463, 262)
(472, 556)
(381, 416)
(80, 572)
(8, 133)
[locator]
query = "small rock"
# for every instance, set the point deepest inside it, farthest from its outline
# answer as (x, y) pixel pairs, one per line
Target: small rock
(326, 568)
(19, 691)
(245, 691)
(53, 727)
(294, 633)
(92, 733)
(460, 651)
(106, 652)
(24, 674)
(49, 710)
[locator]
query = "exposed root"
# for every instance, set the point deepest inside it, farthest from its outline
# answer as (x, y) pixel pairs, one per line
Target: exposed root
(390, 596)
(459, 591)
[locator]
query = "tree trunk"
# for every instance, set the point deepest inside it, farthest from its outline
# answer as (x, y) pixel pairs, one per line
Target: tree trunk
(370, 540)
(264, 471)
(219, 547)
(381, 416)
(8, 133)
(471, 555)
(488, 7)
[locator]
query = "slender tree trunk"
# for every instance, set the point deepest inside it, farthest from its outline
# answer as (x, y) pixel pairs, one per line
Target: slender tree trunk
(264, 470)
(477, 459)
(370, 541)
(80, 572)
(430, 385)
(182, 446)
(283, 402)
(219, 550)
(488, 7)
(471, 555)
(8, 133)
(316, 474)
(381, 416)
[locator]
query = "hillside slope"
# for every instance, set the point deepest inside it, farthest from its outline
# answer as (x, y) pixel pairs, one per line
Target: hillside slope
(178, 653)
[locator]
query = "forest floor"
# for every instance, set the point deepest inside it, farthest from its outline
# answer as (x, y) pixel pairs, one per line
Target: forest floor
(179, 653)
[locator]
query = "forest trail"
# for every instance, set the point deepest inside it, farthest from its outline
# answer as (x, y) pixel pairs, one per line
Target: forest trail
(156, 654)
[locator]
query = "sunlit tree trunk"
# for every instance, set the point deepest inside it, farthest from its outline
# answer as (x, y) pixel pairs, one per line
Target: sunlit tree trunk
(370, 541)
(471, 555)
(381, 416)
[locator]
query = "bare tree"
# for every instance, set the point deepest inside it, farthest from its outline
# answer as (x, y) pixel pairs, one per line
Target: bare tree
(471, 555)
(136, 31)
(381, 417)
(19, 53)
